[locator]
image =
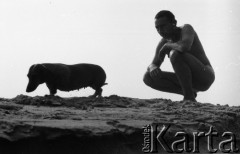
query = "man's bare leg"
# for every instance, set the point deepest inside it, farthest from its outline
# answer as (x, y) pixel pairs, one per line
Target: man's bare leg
(165, 81)
(190, 77)
(184, 75)
(191, 73)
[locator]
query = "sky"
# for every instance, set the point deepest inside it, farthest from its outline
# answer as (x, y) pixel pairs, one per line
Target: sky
(118, 35)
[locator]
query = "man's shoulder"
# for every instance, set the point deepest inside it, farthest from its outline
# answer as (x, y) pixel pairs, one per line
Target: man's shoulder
(187, 26)
(163, 41)
(187, 29)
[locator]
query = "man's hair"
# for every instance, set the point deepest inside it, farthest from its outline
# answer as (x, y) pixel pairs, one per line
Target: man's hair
(165, 13)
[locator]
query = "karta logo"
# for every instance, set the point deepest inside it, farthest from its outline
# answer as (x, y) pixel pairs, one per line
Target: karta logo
(153, 139)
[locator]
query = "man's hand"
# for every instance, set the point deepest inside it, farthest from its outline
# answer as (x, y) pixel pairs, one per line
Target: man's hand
(153, 70)
(165, 49)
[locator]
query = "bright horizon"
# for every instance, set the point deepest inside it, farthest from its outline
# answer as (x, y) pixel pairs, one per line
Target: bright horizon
(119, 36)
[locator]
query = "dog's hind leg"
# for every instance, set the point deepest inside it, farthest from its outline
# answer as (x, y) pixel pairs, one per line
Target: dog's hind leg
(98, 92)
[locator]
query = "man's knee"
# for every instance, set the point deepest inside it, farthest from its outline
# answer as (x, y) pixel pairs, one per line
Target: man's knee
(147, 79)
(175, 56)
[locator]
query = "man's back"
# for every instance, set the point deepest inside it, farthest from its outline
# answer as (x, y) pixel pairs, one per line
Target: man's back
(197, 48)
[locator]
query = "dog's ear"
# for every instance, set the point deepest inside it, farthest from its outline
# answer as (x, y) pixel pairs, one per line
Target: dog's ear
(50, 72)
(31, 70)
(35, 76)
(47, 71)
(56, 70)
(38, 71)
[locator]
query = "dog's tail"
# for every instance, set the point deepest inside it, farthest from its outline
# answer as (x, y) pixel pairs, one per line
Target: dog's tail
(105, 84)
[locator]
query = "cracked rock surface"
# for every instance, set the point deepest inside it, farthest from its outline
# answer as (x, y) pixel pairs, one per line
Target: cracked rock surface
(113, 124)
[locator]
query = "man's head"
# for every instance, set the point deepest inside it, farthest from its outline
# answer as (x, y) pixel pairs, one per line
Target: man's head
(165, 23)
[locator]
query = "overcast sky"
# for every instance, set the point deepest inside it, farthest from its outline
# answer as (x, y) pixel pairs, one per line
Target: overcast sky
(118, 35)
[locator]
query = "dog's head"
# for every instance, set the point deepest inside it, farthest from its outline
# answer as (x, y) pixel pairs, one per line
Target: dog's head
(35, 76)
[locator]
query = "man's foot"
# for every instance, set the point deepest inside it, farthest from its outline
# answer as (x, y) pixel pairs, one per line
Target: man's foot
(190, 99)
(186, 102)
(92, 96)
(51, 95)
(195, 94)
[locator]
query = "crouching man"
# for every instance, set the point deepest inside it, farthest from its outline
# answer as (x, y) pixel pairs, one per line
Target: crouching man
(192, 69)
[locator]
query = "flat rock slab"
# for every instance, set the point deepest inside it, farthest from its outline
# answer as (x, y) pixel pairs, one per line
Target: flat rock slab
(112, 124)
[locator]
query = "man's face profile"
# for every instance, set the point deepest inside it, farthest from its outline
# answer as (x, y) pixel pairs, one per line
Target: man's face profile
(164, 27)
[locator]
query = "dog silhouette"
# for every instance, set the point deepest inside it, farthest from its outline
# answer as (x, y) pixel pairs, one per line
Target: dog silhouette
(66, 77)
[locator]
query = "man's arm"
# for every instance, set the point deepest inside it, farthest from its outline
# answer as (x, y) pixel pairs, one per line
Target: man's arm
(158, 58)
(186, 41)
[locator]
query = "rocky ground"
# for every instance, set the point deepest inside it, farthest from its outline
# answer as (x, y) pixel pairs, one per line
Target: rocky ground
(108, 125)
